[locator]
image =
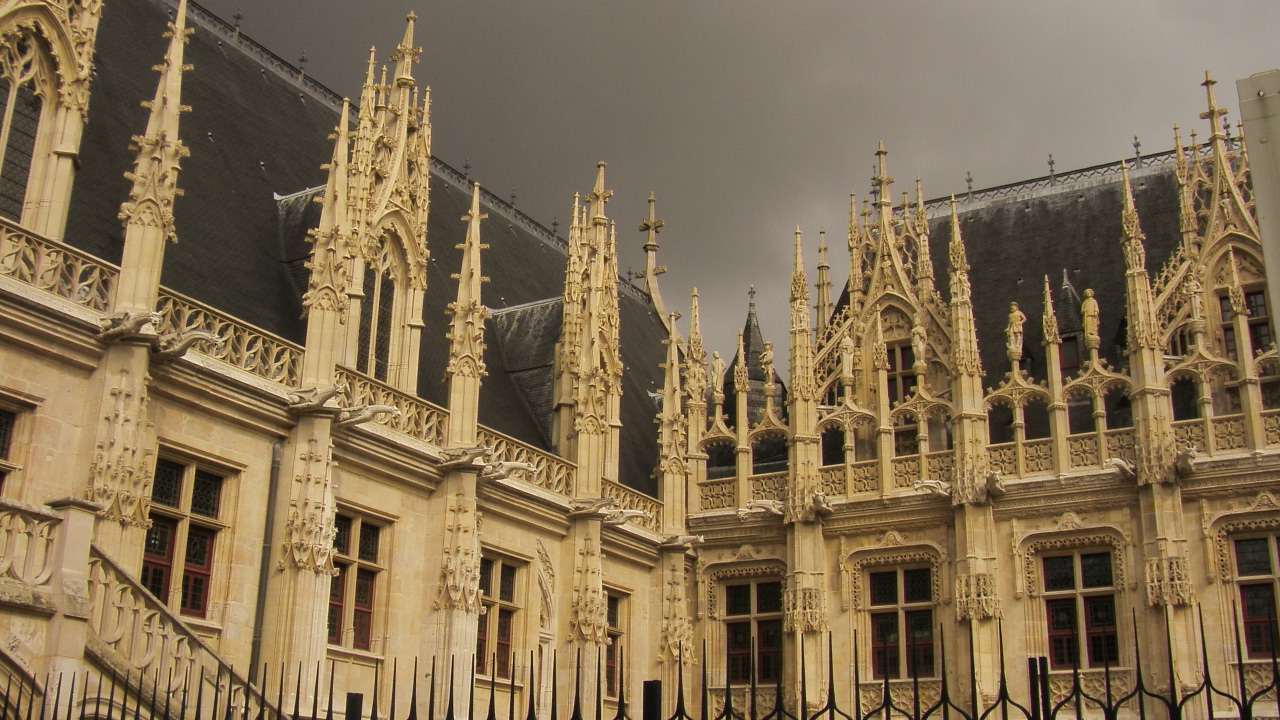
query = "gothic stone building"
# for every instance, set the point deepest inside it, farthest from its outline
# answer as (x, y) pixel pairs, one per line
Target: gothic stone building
(279, 389)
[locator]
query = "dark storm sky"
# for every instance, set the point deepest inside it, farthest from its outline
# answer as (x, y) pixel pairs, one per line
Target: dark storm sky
(747, 118)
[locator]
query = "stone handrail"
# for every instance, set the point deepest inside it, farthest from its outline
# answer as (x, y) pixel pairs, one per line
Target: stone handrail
(549, 472)
(240, 344)
(144, 634)
(27, 539)
(629, 499)
(417, 419)
(717, 494)
(769, 486)
(56, 267)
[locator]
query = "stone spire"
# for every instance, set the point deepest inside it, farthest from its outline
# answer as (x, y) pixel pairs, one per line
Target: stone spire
(803, 384)
(148, 213)
(671, 434)
(823, 306)
(965, 342)
(651, 226)
(327, 297)
(969, 426)
(1144, 326)
(1049, 322)
(924, 262)
(466, 331)
(695, 379)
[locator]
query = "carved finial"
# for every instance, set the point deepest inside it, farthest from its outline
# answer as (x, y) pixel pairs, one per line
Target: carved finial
(751, 299)
(882, 181)
(466, 168)
(959, 263)
(1137, 152)
(1214, 112)
(1052, 177)
(1135, 253)
(1235, 293)
(406, 53)
(822, 248)
(512, 198)
(302, 63)
(599, 196)
(330, 267)
(968, 181)
(651, 225)
(466, 332)
(1049, 322)
(155, 173)
(237, 17)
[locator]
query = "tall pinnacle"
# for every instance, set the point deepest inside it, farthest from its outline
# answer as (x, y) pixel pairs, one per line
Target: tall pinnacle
(1049, 323)
(599, 196)
(1135, 254)
(652, 225)
(148, 213)
(155, 172)
(406, 53)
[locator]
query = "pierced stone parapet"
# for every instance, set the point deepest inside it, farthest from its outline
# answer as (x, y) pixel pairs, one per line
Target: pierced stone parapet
(628, 499)
(57, 268)
(549, 472)
(417, 419)
(240, 344)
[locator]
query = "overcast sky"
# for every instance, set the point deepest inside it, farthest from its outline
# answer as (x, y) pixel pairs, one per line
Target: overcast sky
(748, 118)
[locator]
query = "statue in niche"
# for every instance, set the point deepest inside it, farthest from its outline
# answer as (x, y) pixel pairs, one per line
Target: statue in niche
(919, 340)
(1090, 318)
(1014, 332)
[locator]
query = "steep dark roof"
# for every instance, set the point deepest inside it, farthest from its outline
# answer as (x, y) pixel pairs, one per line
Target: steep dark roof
(753, 346)
(258, 137)
(1013, 244)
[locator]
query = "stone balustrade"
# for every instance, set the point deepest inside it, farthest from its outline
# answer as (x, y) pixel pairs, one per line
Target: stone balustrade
(629, 499)
(240, 344)
(57, 268)
(130, 626)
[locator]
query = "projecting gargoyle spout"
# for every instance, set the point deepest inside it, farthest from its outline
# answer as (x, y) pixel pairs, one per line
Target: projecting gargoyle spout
(352, 416)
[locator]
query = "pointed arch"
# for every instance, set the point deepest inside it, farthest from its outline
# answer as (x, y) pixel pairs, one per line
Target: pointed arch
(388, 306)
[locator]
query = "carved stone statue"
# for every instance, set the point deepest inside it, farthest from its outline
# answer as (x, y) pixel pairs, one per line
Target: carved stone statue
(1195, 295)
(685, 541)
(766, 362)
(455, 458)
(919, 340)
(717, 377)
(618, 518)
(352, 416)
(1013, 332)
(846, 357)
(1090, 318)
(126, 324)
(502, 469)
(936, 488)
(768, 507)
(312, 399)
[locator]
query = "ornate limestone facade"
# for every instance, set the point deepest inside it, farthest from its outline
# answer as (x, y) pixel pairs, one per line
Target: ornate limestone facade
(316, 433)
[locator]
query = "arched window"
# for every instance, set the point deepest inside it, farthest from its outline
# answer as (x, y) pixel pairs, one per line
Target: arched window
(23, 89)
(378, 312)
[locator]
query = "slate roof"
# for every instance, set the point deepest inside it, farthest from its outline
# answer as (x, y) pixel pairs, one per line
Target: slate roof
(1013, 244)
(258, 136)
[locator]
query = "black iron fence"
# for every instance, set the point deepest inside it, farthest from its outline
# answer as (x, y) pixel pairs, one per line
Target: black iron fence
(1237, 689)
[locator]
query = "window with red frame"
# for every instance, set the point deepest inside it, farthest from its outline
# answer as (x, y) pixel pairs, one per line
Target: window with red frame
(1079, 594)
(1256, 574)
(901, 602)
(497, 626)
(353, 592)
(754, 611)
(182, 540)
